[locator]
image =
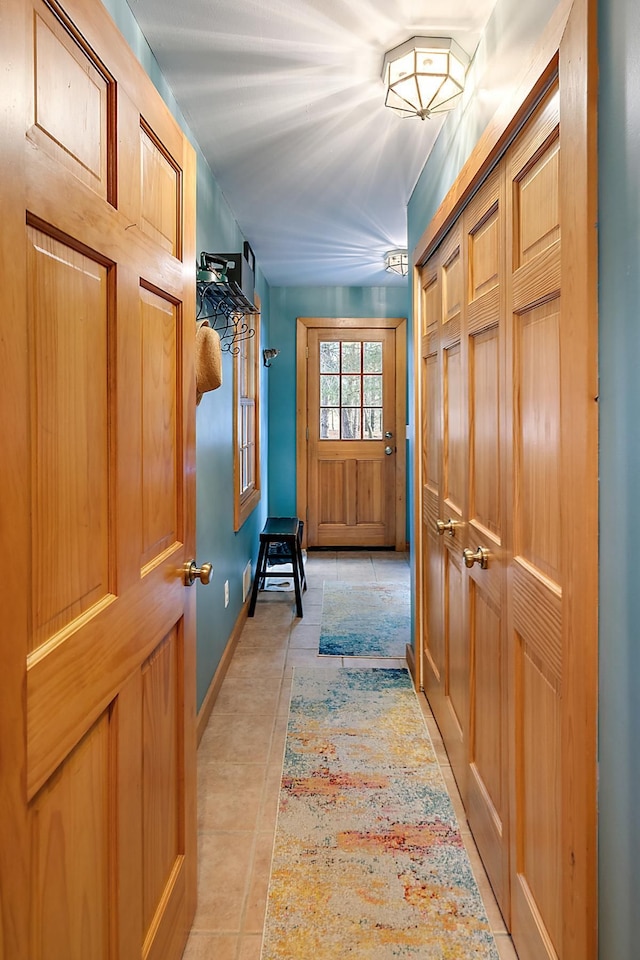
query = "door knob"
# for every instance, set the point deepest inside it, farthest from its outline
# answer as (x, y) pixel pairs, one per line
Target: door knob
(480, 556)
(448, 526)
(192, 573)
(388, 451)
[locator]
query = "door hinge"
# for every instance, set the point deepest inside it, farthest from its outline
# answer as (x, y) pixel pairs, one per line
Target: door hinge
(306, 352)
(307, 433)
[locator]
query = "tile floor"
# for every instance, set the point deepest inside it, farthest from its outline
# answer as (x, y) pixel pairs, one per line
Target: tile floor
(240, 761)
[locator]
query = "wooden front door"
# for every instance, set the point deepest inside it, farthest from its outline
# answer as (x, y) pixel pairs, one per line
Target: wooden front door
(97, 712)
(355, 432)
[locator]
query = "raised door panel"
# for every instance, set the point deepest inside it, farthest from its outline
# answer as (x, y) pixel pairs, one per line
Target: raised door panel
(454, 459)
(332, 500)
(160, 330)
(535, 599)
(160, 192)
(432, 643)
(162, 751)
(71, 880)
(487, 795)
(71, 480)
(72, 97)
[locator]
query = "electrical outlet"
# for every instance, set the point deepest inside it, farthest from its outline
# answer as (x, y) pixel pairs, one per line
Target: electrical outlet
(226, 593)
(246, 581)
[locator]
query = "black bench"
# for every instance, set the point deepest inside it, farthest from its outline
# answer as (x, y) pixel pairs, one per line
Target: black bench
(280, 542)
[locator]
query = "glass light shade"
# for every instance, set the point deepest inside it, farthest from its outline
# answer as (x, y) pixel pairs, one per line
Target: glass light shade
(397, 261)
(424, 75)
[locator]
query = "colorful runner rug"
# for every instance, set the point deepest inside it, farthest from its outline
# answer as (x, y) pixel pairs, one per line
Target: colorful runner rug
(365, 621)
(368, 860)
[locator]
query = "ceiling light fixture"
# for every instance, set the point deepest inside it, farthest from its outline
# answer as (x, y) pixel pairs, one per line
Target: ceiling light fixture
(397, 261)
(424, 75)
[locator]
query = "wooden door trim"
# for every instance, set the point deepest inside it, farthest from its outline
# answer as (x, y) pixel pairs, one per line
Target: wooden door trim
(579, 472)
(399, 324)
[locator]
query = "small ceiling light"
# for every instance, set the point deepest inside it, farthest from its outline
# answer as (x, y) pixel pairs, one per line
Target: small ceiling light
(424, 75)
(397, 261)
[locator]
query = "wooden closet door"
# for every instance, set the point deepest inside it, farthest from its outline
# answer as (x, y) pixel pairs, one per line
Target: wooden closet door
(97, 837)
(487, 795)
(446, 649)
(535, 577)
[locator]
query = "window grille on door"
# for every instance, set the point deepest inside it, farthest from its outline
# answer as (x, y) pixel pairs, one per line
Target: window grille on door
(350, 390)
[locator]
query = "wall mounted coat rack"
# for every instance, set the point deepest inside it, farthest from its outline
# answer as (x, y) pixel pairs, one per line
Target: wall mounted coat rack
(221, 301)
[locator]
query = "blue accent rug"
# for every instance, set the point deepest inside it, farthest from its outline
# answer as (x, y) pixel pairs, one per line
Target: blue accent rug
(368, 859)
(365, 621)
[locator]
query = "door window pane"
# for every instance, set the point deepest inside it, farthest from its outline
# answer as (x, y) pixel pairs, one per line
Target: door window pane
(351, 396)
(373, 357)
(372, 423)
(330, 356)
(351, 423)
(372, 391)
(351, 357)
(329, 391)
(330, 423)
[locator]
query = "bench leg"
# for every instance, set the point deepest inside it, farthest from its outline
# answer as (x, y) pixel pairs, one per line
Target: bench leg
(295, 566)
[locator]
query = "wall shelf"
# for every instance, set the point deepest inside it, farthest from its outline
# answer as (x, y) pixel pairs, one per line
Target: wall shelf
(223, 304)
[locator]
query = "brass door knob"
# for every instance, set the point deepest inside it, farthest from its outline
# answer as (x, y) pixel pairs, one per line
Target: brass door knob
(192, 573)
(446, 526)
(481, 556)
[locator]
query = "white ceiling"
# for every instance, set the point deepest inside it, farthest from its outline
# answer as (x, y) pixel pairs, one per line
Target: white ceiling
(286, 101)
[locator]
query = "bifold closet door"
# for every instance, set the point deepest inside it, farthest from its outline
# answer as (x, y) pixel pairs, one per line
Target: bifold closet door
(487, 793)
(535, 578)
(445, 418)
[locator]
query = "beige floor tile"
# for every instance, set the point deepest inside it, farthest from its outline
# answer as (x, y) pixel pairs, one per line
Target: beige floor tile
(285, 698)
(358, 573)
(209, 946)
(261, 638)
(236, 738)
(250, 947)
(247, 695)
(303, 658)
(257, 662)
(230, 795)
(279, 737)
(271, 798)
(313, 595)
(223, 874)
(259, 885)
(304, 636)
(312, 615)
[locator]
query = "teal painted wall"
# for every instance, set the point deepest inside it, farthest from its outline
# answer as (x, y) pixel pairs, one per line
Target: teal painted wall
(619, 306)
(286, 305)
(216, 230)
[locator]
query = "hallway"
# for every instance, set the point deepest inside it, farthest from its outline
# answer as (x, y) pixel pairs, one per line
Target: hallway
(240, 760)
